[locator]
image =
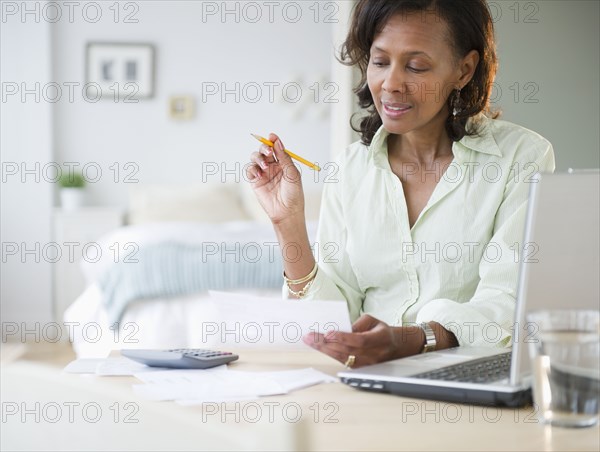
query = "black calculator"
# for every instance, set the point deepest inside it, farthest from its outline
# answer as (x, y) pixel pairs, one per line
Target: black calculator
(180, 358)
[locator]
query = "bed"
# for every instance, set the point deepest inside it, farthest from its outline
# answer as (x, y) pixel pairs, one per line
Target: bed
(150, 288)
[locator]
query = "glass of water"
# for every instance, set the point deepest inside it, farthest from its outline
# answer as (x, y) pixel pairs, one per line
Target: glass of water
(565, 350)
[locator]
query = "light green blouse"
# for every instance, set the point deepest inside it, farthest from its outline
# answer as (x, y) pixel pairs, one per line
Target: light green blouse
(458, 265)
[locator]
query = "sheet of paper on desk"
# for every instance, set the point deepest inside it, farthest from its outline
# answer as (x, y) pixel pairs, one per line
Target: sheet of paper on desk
(122, 367)
(107, 367)
(191, 387)
(179, 376)
(249, 320)
(83, 366)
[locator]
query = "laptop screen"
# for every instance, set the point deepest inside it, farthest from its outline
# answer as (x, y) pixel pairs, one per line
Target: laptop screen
(560, 262)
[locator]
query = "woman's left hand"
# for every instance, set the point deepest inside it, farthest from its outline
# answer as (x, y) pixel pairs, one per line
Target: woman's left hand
(371, 341)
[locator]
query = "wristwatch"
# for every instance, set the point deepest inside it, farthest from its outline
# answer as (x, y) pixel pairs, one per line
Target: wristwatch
(430, 342)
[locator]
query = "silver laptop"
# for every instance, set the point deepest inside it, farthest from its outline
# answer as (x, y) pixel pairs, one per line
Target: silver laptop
(559, 269)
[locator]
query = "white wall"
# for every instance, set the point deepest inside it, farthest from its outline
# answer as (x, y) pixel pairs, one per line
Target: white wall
(25, 139)
(342, 134)
(559, 57)
(193, 49)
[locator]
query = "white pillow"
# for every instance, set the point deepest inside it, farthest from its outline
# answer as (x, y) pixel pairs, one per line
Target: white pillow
(206, 203)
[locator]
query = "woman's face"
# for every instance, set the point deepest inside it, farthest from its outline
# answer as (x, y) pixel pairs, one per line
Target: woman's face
(412, 71)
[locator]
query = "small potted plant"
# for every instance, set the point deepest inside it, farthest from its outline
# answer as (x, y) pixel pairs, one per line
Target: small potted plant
(71, 190)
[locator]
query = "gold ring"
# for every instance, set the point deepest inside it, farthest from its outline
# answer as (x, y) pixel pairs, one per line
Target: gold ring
(350, 361)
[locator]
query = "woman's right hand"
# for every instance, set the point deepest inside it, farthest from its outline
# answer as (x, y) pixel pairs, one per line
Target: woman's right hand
(278, 186)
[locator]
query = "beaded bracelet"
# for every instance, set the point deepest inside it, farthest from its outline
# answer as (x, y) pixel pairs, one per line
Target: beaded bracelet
(301, 292)
(310, 278)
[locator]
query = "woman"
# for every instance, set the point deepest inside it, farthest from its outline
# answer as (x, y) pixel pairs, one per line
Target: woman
(427, 215)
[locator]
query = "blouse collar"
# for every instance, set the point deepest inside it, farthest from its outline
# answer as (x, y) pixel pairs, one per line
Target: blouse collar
(483, 142)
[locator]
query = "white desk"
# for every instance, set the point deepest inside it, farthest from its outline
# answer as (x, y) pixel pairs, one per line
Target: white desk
(329, 417)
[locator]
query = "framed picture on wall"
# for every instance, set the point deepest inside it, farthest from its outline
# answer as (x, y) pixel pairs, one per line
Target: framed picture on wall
(119, 71)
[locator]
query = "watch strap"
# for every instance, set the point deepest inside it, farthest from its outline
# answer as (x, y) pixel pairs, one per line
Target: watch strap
(430, 342)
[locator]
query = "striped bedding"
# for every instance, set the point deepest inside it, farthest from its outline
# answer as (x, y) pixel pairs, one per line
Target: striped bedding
(170, 269)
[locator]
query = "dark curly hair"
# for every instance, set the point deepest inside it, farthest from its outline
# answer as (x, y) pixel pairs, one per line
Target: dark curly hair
(471, 28)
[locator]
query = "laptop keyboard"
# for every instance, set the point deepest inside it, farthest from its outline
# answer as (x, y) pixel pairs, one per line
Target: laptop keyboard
(491, 368)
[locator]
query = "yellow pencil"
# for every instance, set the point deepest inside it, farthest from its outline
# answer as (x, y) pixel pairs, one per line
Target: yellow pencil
(291, 154)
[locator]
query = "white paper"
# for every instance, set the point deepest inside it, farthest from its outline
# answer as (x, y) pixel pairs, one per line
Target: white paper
(251, 320)
(292, 380)
(108, 367)
(226, 399)
(83, 366)
(122, 367)
(198, 386)
(179, 376)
